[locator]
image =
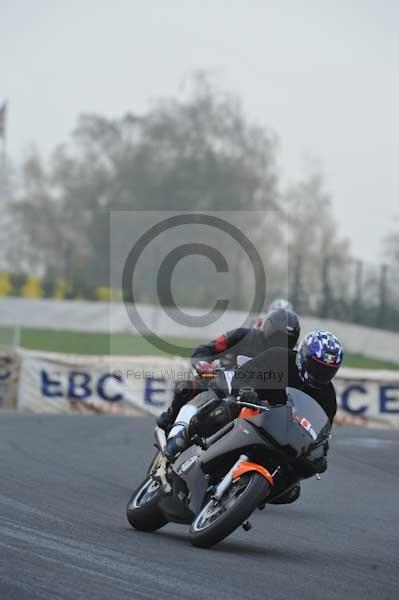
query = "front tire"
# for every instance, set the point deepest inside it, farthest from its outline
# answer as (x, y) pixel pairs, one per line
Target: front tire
(142, 510)
(218, 519)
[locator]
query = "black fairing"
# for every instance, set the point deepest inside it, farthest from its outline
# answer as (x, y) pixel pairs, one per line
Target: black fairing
(279, 436)
(277, 431)
(277, 424)
(283, 423)
(189, 487)
(242, 437)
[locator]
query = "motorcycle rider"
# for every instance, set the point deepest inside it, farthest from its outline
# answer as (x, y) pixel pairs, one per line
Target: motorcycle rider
(280, 303)
(310, 369)
(276, 304)
(280, 329)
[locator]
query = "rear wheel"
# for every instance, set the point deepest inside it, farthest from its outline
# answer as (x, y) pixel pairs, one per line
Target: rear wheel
(142, 511)
(221, 517)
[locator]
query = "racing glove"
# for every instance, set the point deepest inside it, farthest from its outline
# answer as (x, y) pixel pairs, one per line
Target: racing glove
(320, 465)
(204, 368)
(248, 395)
(309, 468)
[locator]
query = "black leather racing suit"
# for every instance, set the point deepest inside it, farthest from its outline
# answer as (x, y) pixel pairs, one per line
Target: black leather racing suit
(268, 374)
(226, 347)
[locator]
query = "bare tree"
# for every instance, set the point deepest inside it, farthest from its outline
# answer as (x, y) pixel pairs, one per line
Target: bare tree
(199, 152)
(319, 256)
(390, 244)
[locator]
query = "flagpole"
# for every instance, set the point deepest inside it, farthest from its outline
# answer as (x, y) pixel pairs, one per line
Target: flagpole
(4, 157)
(4, 150)
(4, 181)
(5, 140)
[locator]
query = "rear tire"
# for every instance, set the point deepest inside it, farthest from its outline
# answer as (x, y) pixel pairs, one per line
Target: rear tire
(214, 522)
(142, 510)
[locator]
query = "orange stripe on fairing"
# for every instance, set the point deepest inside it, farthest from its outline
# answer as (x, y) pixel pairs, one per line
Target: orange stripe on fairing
(247, 412)
(221, 343)
(245, 467)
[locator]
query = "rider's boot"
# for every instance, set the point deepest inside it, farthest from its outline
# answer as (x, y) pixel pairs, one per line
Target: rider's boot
(178, 438)
(176, 444)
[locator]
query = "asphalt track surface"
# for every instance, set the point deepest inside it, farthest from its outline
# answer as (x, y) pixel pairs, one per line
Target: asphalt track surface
(65, 482)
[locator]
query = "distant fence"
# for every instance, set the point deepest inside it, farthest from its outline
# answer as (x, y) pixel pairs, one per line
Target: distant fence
(79, 315)
(31, 286)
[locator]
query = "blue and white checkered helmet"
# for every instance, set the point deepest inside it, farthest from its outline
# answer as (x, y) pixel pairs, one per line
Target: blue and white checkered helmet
(320, 354)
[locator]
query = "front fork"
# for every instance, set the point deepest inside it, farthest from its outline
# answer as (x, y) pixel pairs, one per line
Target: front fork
(223, 485)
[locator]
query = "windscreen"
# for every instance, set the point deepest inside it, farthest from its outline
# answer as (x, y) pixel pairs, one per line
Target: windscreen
(307, 412)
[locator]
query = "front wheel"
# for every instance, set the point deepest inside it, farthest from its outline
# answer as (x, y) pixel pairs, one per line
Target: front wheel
(142, 511)
(221, 517)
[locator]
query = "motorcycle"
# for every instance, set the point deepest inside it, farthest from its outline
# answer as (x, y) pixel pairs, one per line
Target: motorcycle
(216, 484)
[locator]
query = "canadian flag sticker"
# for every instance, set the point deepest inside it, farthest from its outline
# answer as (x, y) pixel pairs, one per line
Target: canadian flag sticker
(305, 424)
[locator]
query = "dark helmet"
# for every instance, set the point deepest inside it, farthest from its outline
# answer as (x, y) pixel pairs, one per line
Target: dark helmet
(280, 303)
(281, 328)
(319, 357)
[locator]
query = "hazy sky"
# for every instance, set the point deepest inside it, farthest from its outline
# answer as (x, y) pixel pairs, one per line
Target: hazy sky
(324, 74)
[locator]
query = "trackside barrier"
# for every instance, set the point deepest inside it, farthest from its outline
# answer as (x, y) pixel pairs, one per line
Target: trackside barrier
(62, 383)
(9, 376)
(368, 397)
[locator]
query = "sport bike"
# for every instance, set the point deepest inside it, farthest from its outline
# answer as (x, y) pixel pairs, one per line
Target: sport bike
(215, 485)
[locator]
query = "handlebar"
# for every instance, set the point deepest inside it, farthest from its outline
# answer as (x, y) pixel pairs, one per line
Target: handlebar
(256, 406)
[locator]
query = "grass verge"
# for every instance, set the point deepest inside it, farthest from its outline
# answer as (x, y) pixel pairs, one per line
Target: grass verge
(76, 342)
